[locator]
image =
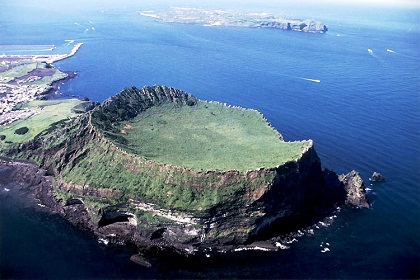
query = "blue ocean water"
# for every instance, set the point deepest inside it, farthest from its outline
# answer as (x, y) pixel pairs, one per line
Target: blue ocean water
(354, 91)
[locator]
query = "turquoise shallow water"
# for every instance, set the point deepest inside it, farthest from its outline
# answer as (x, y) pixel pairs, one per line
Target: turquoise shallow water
(363, 115)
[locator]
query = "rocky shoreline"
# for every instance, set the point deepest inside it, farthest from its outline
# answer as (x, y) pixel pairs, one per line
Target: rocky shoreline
(119, 229)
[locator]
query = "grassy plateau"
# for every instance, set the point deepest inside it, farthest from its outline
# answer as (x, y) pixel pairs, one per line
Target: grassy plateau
(206, 136)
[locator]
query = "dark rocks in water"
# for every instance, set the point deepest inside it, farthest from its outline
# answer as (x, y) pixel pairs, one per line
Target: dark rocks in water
(140, 260)
(377, 177)
(354, 186)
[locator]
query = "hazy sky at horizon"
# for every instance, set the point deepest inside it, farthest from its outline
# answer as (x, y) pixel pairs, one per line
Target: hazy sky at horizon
(326, 9)
(379, 3)
(297, 3)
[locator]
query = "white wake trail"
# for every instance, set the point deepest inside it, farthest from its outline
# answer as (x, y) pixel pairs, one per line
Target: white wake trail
(311, 80)
(370, 51)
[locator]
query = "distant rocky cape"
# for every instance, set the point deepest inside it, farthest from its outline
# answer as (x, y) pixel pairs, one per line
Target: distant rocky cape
(211, 17)
(269, 201)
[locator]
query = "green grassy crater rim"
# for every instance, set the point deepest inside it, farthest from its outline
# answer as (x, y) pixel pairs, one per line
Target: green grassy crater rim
(205, 136)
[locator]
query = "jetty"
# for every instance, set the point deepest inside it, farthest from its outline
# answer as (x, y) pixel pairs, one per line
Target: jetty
(55, 58)
(50, 58)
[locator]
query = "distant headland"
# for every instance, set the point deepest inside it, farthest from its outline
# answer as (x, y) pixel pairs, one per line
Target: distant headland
(211, 17)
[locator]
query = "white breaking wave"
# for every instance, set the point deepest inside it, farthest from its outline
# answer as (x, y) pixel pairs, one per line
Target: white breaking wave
(281, 246)
(325, 248)
(103, 241)
(6, 190)
(256, 248)
(391, 51)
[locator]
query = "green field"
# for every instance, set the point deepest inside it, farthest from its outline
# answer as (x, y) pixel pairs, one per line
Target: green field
(48, 112)
(18, 71)
(207, 136)
(26, 68)
(48, 80)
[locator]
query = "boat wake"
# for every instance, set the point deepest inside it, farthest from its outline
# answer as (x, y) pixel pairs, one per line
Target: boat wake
(397, 53)
(311, 80)
(370, 51)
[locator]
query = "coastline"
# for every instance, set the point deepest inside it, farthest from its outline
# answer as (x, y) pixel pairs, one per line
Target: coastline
(25, 78)
(35, 185)
(193, 227)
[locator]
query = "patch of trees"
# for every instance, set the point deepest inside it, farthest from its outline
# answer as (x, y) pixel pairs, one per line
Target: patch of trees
(21, 130)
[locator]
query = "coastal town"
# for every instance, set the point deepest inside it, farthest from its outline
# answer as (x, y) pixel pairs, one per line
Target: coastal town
(24, 78)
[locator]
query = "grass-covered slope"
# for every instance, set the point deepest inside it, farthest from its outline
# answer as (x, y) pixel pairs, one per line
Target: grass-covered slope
(32, 73)
(205, 136)
(42, 113)
(164, 146)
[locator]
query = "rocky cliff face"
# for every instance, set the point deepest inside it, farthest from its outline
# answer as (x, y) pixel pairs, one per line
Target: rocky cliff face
(174, 207)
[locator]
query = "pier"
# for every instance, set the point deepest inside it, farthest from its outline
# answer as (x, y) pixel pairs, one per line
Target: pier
(51, 58)
(55, 58)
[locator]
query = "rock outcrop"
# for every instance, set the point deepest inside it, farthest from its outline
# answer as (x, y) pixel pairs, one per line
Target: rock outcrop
(354, 187)
(174, 207)
(377, 177)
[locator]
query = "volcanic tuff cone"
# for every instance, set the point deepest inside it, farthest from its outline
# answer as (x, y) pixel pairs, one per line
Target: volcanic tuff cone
(156, 166)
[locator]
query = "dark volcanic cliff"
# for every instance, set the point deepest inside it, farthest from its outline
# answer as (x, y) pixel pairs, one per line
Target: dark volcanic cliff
(125, 198)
